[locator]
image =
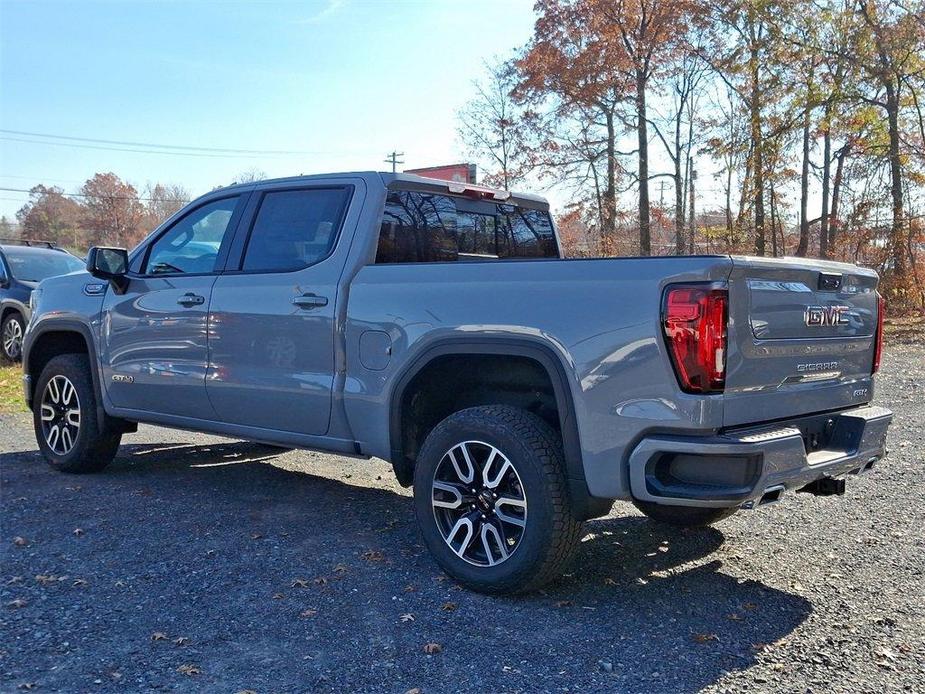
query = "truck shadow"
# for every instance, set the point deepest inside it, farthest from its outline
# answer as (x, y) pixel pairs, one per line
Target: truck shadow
(645, 608)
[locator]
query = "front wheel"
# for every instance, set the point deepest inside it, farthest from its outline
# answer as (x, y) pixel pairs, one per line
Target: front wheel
(683, 516)
(12, 331)
(491, 500)
(65, 418)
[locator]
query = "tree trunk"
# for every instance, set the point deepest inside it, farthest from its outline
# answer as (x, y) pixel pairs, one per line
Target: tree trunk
(836, 194)
(803, 246)
(610, 194)
(692, 177)
(758, 159)
(826, 179)
(897, 240)
(678, 190)
(645, 232)
(729, 230)
(773, 193)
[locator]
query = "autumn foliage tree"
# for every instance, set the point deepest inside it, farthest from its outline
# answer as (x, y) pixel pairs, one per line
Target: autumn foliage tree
(49, 215)
(112, 211)
(808, 115)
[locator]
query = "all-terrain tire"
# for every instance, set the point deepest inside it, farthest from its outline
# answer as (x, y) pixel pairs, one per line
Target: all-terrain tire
(683, 516)
(550, 533)
(92, 447)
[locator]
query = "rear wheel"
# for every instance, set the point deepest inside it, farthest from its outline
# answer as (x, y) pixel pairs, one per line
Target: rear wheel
(64, 412)
(683, 516)
(491, 501)
(11, 333)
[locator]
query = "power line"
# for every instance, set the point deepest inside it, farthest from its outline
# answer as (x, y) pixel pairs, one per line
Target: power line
(137, 151)
(190, 148)
(81, 195)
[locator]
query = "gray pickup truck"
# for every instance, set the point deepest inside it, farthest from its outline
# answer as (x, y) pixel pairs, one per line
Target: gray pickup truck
(436, 325)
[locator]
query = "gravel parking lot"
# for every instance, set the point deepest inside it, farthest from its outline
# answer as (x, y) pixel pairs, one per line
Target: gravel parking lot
(199, 563)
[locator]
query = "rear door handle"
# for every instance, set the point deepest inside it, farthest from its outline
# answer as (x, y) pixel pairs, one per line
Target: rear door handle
(308, 301)
(190, 299)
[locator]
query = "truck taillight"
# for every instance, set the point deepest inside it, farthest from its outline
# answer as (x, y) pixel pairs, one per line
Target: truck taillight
(878, 338)
(694, 319)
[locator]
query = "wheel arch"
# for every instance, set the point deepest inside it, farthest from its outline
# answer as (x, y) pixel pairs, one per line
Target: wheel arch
(551, 365)
(46, 341)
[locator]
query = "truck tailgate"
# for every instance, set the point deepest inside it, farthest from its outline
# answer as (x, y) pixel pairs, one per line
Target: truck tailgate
(801, 338)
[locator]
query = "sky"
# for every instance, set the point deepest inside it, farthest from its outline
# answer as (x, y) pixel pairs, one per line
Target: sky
(342, 82)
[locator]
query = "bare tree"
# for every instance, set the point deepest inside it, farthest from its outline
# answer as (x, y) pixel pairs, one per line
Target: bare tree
(492, 128)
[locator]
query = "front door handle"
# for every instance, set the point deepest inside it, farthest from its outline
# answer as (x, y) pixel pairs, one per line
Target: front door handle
(190, 299)
(308, 301)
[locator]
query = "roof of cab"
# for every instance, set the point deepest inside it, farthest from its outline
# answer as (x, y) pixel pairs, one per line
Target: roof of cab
(389, 179)
(19, 249)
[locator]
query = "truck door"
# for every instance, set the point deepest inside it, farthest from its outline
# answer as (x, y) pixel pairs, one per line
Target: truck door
(154, 343)
(272, 319)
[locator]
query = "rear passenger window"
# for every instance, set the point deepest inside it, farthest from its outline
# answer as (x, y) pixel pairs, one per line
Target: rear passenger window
(294, 229)
(426, 228)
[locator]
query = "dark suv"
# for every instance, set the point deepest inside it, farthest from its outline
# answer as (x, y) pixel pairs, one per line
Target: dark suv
(23, 264)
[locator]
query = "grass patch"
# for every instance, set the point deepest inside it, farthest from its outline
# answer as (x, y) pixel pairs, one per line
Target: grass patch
(11, 399)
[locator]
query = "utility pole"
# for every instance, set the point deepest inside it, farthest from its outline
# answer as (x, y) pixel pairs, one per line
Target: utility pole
(393, 159)
(661, 195)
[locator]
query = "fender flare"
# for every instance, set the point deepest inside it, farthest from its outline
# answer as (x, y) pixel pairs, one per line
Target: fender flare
(542, 353)
(65, 325)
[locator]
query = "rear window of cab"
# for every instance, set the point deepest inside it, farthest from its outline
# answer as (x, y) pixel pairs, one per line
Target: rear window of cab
(419, 227)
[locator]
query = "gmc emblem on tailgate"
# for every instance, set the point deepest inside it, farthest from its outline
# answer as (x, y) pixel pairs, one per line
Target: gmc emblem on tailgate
(826, 315)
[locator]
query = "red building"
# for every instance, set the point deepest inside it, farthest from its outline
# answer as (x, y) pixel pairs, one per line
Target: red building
(461, 173)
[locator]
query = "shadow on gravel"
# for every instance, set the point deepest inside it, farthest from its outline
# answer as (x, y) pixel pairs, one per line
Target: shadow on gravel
(644, 609)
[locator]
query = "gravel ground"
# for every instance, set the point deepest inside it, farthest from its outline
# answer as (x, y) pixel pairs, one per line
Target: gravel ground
(198, 563)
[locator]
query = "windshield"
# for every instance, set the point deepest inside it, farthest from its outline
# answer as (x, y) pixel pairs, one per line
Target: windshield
(33, 266)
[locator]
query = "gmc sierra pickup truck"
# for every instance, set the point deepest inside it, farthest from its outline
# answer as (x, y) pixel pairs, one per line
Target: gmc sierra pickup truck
(437, 326)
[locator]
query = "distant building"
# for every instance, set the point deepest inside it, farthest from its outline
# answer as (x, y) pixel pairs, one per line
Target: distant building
(460, 173)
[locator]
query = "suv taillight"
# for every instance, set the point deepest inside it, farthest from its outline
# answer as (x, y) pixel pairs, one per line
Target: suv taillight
(878, 338)
(694, 319)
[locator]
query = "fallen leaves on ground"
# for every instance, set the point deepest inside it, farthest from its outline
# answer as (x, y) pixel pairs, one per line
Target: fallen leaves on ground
(563, 603)
(158, 636)
(48, 579)
(432, 648)
(341, 568)
(189, 670)
(17, 603)
(407, 617)
(705, 638)
(78, 532)
(372, 555)
(181, 640)
(310, 612)
(449, 607)
(80, 583)
(20, 541)
(300, 583)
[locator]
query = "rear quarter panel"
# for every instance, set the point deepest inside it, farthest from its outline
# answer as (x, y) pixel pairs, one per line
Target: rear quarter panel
(601, 318)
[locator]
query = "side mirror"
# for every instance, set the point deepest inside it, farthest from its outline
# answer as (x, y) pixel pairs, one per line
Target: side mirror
(109, 264)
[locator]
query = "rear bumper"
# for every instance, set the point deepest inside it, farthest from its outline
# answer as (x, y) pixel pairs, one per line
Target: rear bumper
(743, 467)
